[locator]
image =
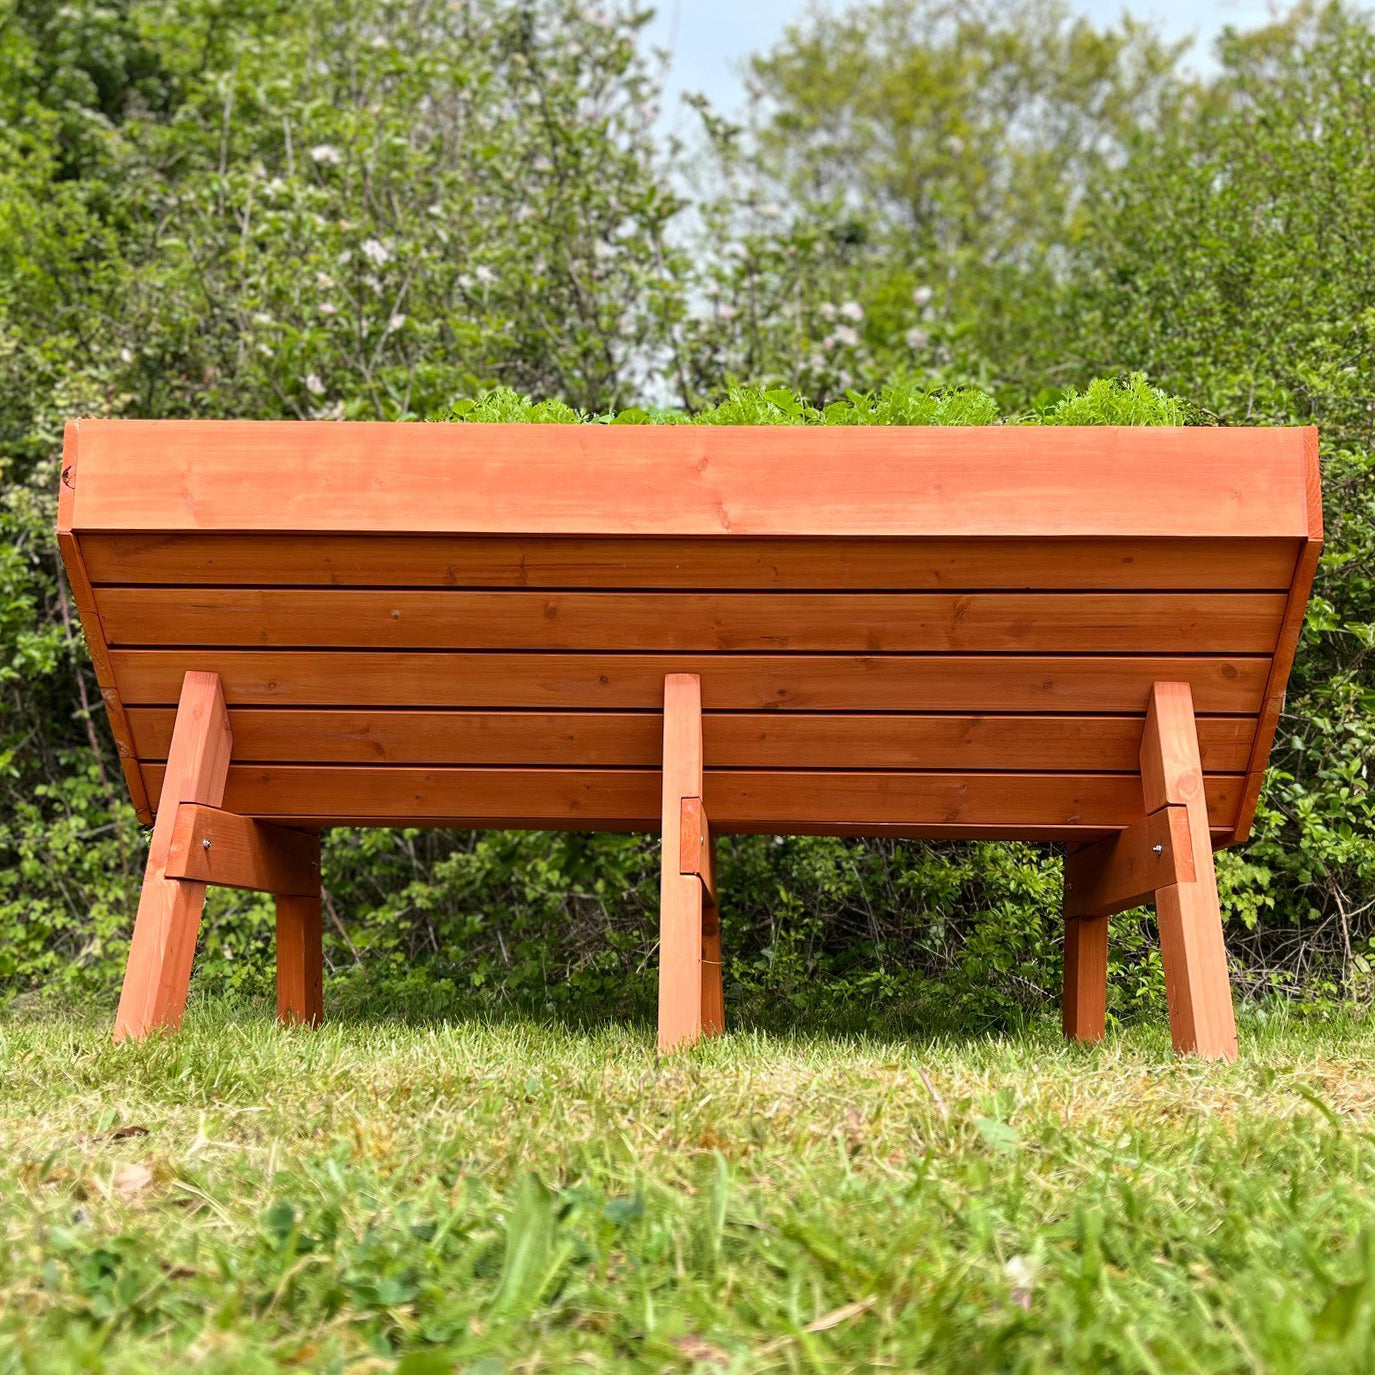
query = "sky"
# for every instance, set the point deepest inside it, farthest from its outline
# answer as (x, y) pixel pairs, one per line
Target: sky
(709, 39)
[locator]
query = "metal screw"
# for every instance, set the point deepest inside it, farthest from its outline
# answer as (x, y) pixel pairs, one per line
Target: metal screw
(1159, 849)
(205, 844)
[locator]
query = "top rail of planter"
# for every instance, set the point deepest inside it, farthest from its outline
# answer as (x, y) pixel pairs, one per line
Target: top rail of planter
(593, 480)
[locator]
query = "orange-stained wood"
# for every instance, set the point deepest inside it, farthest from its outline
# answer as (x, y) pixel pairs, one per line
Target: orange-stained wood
(214, 846)
(737, 800)
(697, 852)
(749, 682)
(1084, 1012)
(1288, 641)
(680, 895)
(750, 740)
(84, 597)
(989, 622)
(300, 959)
(1125, 871)
(1191, 945)
(698, 858)
(169, 909)
(713, 986)
(736, 564)
(720, 481)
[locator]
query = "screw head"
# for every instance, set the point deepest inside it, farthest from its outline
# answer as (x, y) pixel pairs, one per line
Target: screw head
(205, 844)
(1159, 849)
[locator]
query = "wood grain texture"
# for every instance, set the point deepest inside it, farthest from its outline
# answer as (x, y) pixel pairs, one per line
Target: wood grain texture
(688, 480)
(1190, 920)
(84, 597)
(680, 895)
(752, 740)
(695, 845)
(1288, 642)
(215, 846)
(1085, 1008)
(747, 682)
(169, 910)
(738, 564)
(300, 959)
(347, 618)
(1126, 871)
(739, 801)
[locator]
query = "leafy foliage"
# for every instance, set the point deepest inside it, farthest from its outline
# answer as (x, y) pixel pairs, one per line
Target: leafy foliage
(243, 208)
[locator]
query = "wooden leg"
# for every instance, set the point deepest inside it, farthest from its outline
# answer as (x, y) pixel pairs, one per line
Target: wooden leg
(1086, 978)
(169, 909)
(300, 965)
(680, 894)
(713, 997)
(1191, 945)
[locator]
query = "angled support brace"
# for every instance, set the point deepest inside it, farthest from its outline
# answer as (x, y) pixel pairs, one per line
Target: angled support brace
(212, 846)
(697, 858)
(1166, 857)
(195, 844)
(690, 994)
(169, 909)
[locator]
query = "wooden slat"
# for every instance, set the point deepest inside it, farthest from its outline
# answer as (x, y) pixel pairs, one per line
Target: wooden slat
(1048, 622)
(737, 564)
(79, 581)
(745, 681)
(215, 846)
(1295, 610)
(785, 803)
(689, 480)
(745, 740)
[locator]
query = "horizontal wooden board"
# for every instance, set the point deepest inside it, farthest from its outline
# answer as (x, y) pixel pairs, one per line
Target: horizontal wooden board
(736, 564)
(758, 740)
(735, 801)
(688, 480)
(748, 682)
(292, 618)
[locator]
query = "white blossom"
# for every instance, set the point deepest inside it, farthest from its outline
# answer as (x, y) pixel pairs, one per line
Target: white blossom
(328, 308)
(828, 311)
(916, 338)
(725, 312)
(313, 385)
(375, 250)
(485, 275)
(816, 363)
(847, 335)
(852, 310)
(922, 296)
(326, 153)
(395, 323)
(771, 210)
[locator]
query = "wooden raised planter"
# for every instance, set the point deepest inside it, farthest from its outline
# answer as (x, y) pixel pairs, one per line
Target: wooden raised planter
(1073, 635)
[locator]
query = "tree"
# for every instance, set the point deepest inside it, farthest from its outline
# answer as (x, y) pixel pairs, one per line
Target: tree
(935, 158)
(259, 209)
(1233, 258)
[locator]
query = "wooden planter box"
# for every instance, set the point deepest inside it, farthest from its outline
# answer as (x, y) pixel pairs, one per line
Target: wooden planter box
(1074, 635)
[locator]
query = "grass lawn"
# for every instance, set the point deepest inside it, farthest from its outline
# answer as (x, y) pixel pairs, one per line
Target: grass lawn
(504, 1196)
